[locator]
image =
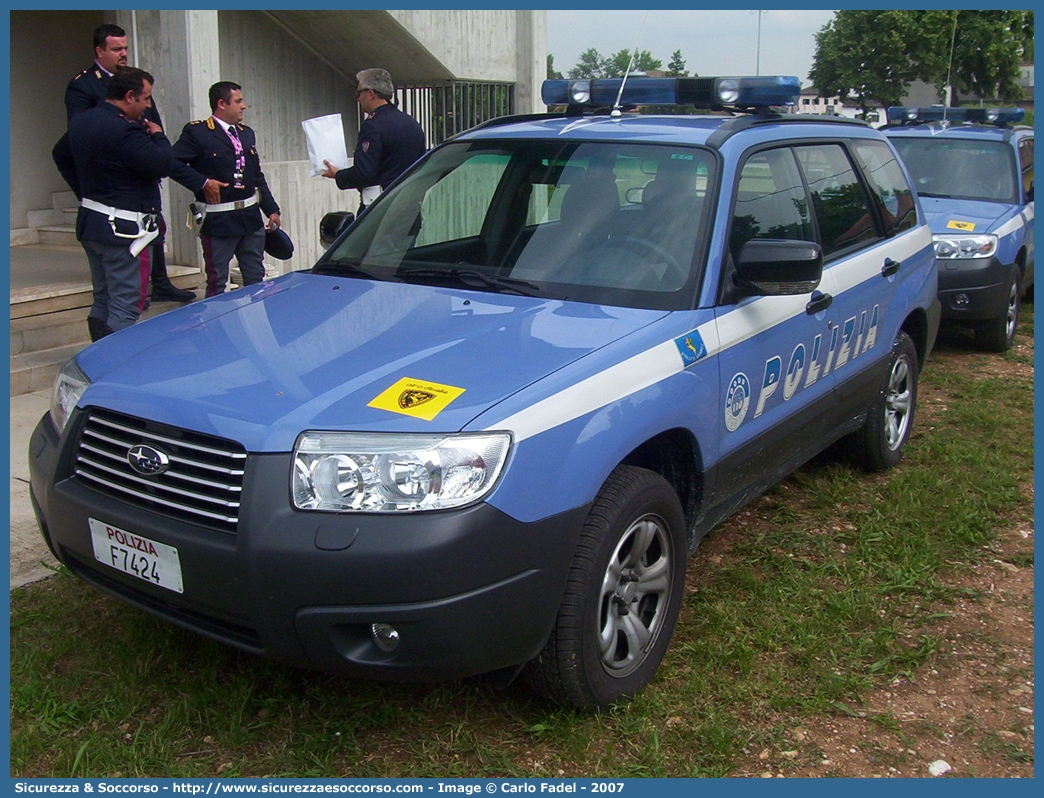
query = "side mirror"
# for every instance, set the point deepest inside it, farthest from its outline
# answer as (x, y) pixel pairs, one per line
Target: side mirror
(773, 267)
(332, 225)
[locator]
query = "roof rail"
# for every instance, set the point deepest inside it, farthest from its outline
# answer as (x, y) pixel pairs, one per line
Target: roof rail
(735, 124)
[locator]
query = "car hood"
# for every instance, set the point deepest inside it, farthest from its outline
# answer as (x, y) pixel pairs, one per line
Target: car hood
(950, 216)
(261, 364)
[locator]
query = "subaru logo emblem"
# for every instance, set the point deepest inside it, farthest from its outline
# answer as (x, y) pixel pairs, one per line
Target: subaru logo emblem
(147, 461)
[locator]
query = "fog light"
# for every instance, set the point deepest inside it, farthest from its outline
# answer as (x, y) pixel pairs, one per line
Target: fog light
(961, 300)
(385, 636)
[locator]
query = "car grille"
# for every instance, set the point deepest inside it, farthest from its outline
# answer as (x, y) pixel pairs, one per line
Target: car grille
(202, 484)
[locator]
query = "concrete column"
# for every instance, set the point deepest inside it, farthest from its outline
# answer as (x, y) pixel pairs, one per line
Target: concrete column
(531, 53)
(185, 60)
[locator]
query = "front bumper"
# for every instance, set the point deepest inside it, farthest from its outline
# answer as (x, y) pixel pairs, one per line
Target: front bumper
(469, 591)
(973, 290)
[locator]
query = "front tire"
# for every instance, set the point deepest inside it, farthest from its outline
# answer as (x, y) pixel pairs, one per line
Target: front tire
(998, 335)
(622, 597)
(878, 445)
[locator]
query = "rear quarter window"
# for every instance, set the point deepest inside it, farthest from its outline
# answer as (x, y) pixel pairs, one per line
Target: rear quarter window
(840, 202)
(891, 191)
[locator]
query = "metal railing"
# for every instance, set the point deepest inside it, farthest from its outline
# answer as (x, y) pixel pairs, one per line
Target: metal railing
(446, 109)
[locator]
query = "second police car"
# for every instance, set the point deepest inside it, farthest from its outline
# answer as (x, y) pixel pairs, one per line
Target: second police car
(486, 430)
(973, 170)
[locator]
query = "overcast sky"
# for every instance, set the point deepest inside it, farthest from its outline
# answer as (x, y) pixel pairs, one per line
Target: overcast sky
(711, 42)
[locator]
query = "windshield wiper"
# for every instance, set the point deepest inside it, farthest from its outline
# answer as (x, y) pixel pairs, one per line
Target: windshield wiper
(343, 266)
(469, 277)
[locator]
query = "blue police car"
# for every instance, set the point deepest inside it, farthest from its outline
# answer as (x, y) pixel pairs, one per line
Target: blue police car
(974, 174)
(484, 432)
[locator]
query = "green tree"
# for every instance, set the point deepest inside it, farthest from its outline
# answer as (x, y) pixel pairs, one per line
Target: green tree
(676, 66)
(987, 51)
(552, 73)
(615, 66)
(876, 55)
(590, 65)
(873, 55)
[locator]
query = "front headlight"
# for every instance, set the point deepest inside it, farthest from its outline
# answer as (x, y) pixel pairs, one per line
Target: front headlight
(966, 246)
(68, 387)
(388, 473)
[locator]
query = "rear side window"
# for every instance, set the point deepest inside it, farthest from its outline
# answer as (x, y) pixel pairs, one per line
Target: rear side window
(840, 202)
(1026, 163)
(891, 192)
(770, 201)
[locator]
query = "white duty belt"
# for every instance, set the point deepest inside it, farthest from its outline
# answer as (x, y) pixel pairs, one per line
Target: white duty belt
(237, 205)
(198, 211)
(370, 193)
(148, 224)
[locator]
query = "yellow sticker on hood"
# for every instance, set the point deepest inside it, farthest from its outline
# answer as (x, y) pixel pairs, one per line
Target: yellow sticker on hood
(416, 398)
(967, 227)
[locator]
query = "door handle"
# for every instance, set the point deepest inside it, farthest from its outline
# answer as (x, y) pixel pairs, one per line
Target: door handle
(890, 267)
(818, 302)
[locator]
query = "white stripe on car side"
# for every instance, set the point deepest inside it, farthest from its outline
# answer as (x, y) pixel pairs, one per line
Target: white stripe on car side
(663, 360)
(615, 383)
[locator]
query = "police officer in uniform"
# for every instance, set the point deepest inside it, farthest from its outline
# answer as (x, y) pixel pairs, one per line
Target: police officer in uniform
(217, 160)
(113, 159)
(87, 90)
(390, 141)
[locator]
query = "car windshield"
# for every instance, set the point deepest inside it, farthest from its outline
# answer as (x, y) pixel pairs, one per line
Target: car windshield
(607, 223)
(960, 168)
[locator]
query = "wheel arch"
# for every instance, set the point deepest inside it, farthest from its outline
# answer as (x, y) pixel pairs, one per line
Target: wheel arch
(916, 326)
(675, 455)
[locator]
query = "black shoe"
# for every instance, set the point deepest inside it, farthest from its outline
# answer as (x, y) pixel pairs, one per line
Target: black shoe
(95, 327)
(171, 293)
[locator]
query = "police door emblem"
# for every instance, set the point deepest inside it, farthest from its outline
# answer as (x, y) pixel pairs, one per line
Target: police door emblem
(413, 398)
(737, 402)
(147, 461)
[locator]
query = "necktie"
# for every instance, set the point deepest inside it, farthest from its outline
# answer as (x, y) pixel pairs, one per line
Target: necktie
(240, 159)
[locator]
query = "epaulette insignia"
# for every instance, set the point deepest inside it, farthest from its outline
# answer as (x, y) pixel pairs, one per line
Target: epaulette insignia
(210, 122)
(97, 74)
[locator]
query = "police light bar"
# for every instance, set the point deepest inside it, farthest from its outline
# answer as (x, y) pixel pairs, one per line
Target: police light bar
(725, 92)
(936, 113)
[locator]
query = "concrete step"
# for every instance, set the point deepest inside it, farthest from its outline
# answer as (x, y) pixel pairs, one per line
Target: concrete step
(57, 236)
(68, 217)
(35, 371)
(48, 217)
(24, 237)
(36, 333)
(47, 299)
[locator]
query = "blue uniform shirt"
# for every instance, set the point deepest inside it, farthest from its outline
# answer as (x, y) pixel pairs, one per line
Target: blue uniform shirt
(205, 151)
(112, 159)
(390, 141)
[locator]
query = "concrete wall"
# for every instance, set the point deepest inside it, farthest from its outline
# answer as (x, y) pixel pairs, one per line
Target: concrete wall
(283, 84)
(284, 78)
(37, 99)
(501, 46)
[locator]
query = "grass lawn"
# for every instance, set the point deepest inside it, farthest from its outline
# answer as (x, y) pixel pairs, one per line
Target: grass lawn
(830, 587)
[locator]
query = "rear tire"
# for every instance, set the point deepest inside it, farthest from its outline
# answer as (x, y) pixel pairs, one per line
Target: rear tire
(878, 445)
(622, 596)
(998, 335)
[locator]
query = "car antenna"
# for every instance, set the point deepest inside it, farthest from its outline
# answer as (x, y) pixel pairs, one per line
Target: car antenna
(616, 106)
(949, 67)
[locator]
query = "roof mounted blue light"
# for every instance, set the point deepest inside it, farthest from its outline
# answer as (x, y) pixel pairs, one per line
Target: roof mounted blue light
(898, 114)
(603, 91)
(710, 93)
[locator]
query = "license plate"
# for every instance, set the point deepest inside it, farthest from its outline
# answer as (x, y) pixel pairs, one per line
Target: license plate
(148, 560)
